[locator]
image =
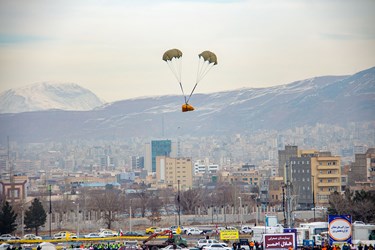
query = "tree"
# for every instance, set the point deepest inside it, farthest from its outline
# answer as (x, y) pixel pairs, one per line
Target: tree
(35, 216)
(109, 202)
(190, 199)
(358, 204)
(7, 219)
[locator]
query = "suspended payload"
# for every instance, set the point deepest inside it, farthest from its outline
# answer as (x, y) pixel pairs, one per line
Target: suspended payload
(173, 58)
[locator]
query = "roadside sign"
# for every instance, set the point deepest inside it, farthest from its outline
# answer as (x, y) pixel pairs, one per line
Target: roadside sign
(279, 241)
(229, 235)
(340, 228)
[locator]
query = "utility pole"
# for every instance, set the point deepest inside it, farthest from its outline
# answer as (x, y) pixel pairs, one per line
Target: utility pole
(313, 193)
(50, 208)
(179, 205)
(288, 186)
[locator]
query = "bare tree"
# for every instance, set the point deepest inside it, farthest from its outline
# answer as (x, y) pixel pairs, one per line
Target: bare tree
(108, 202)
(190, 199)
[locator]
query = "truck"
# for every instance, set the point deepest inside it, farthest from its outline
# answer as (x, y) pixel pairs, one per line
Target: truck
(259, 231)
(311, 232)
(363, 233)
(173, 239)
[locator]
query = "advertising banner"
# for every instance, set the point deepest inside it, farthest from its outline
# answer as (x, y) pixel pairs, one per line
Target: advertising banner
(229, 235)
(279, 241)
(340, 228)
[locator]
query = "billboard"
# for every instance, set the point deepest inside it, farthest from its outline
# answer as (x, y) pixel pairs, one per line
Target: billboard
(229, 235)
(279, 241)
(340, 228)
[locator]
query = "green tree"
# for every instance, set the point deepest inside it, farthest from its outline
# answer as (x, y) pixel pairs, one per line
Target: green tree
(35, 216)
(7, 219)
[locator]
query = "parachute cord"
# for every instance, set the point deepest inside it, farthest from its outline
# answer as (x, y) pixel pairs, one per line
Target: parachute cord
(175, 73)
(203, 72)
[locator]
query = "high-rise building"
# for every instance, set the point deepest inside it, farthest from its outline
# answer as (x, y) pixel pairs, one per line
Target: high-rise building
(284, 156)
(325, 177)
(174, 171)
(154, 149)
(362, 170)
(301, 180)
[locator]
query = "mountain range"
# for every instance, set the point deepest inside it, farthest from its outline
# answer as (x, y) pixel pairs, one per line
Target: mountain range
(327, 99)
(46, 96)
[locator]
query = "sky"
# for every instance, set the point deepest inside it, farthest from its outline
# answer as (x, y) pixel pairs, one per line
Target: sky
(114, 47)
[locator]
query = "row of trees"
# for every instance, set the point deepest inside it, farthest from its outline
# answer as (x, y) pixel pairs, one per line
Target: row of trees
(359, 204)
(111, 203)
(35, 217)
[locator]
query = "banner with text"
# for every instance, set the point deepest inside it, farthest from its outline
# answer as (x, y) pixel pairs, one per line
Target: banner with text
(340, 228)
(279, 241)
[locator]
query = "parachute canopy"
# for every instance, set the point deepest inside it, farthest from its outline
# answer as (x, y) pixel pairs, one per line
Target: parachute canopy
(209, 56)
(173, 58)
(172, 53)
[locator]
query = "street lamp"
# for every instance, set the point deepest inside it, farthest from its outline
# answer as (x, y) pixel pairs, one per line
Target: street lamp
(77, 220)
(240, 210)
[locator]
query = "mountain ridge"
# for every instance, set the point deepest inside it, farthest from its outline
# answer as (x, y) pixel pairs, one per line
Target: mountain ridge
(331, 100)
(46, 96)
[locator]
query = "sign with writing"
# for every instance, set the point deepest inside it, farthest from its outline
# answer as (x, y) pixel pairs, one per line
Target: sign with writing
(279, 241)
(340, 228)
(229, 235)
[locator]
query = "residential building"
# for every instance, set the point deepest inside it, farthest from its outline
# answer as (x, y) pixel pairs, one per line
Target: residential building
(325, 177)
(362, 170)
(174, 171)
(301, 181)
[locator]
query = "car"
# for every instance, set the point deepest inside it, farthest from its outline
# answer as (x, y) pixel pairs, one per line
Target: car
(92, 235)
(107, 233)
(246, 229)
(204, 242)
(216, 246)
(64, 235)
(5, 237)
(194, 231)
(171, 247)
(174, 229)
(319, 208)
(31, 237)
(132, 234)
(150, 230)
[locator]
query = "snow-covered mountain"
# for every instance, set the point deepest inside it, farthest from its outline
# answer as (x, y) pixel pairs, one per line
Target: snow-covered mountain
(46, 96)
(338, 100)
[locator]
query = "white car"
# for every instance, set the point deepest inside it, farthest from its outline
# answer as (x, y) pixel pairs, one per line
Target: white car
(319, 208)
(107, 233)
(31, 237)
(92, 235)
(62, 235)
(246, 230)
(194, 231)
(216, 246)
(171, 247)
(204, 242)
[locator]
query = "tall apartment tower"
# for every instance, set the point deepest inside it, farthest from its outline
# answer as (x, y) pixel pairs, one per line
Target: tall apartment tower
(154, 149)
(362, 170)
(172, 171)
(325, 177)
(301, 181)
(284, 156)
